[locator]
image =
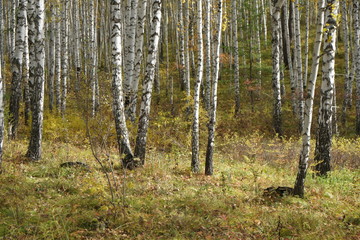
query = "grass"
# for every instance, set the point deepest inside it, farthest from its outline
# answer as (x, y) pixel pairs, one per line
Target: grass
(164, 200)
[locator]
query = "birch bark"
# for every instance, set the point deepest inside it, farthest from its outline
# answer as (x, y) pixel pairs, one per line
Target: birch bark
(356, 23)
(325, 131)
(215, 78)
(37, 73)
(276, 9)
(117, 90)
(309, 103)
(141, 139)
(17, 62)
(140, 31)
(65, 56)
(236, 57)
(195, 128)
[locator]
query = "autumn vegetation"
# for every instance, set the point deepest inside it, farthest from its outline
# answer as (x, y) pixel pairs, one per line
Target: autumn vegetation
(165, 198)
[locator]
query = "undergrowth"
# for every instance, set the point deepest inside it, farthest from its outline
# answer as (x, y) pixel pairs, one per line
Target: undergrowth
(164, 200)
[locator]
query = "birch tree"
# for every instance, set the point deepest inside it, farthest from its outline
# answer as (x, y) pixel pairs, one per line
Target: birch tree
(130, 41)
(16, 66)
(277, 121)
(65, 56)
(37, 76)
(207, 52)
(140, 31)
(117, 92)
(289, 58)
(141, 139)
(348, 79)
(57, 83)
(195, 127)
(52, 29)
(236, 57)
(324, 132)
(356, 22)
(298, 65)
(1, 115)
(309, 103)
(215, 78)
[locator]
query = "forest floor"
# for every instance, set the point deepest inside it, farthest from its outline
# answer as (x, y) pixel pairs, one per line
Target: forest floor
(164, 200)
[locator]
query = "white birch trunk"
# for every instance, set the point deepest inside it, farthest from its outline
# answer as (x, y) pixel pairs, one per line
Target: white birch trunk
(258, 44)
(25, 74)
(347, 80)
(77, 44)
(129, 58)
(65, 56)
(213, 104)
(51, 60)
(356, 23)
(207, 42)
(37, 73)
(140, 148)
(57, 83)
(182, 56)
(195, 127)
(307, 20)
(117, 90)
(298, 66)
(1, 114)
(325, 131)
(276, 10)
(140, 31)
(309, 103)
(236, 56)
(16, 66)
(289, 58)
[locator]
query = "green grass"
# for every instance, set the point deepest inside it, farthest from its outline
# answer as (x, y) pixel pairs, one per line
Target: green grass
(164, 200)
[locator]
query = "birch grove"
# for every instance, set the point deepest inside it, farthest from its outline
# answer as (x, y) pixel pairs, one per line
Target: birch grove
(211, 65)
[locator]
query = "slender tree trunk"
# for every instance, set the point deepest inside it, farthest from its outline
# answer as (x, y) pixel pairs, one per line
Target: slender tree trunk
(213, 104)
(307, 20)
(51, 59)
(236, 57)
(117, 90)
(276, 10)
(195, 127)
(140, 148)
(264, 21)
(258, 44)
(347, 81)
(309, 103)
(186, 48)
(1, 112)
(140, 31)
(207, 42)
(65, 56)
(325, 131)
(289, 58)
(76, 10)
(298, 66)
(57, 61)
(37, 73)
(130, 42)
(356, 22)
(182, 47)
(17, 62)
(93, 59)
(25, 74)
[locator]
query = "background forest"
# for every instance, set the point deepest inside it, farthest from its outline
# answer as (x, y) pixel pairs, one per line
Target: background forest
(169, 119)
